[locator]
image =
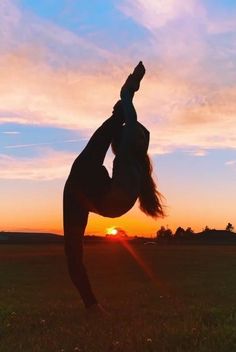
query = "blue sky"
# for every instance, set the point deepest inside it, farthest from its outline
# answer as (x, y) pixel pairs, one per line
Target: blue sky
(62, 65)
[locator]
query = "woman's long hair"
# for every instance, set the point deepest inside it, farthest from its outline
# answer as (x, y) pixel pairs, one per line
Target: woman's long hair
(150, 200)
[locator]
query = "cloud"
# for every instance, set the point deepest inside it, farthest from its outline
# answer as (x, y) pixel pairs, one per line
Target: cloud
(222, 26)
(23, 31)
(230, 163)
(46, 166)
(188, 37)
(39, 94)
(50, 76)
(10, 132)
(176, 29)
(179, 112)
(154, 14)
(199, 153)
(190, 95)
(50, 165)
(185, 115)
(38, 145)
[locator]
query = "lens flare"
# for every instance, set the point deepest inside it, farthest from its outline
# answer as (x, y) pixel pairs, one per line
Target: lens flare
(163, 287)
(113, 231)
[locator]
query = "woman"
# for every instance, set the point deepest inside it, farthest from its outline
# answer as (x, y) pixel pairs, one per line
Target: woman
(90, 189)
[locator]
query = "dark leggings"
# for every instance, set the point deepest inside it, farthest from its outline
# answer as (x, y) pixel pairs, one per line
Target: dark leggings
(76, 206)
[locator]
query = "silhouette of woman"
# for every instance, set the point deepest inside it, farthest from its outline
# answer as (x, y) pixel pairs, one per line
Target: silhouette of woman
(90, 189)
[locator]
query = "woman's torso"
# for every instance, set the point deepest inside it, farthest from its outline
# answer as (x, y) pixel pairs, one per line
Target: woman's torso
(101, 194)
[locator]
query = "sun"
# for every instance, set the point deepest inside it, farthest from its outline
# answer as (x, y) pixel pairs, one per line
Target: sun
(113, 231)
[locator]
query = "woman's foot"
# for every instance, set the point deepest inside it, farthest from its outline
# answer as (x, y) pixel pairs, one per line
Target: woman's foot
(132, 83)
(97, 310)
(137, 76)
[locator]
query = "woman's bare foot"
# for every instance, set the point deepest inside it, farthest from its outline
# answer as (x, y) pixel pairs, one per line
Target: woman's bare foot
(132, 83)
(137, 75)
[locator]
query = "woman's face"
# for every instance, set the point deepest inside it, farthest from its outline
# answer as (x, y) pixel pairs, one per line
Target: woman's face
(141, 141)
(140, 145)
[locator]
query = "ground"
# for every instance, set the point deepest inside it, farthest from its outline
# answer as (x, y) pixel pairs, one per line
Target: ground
(182, 298)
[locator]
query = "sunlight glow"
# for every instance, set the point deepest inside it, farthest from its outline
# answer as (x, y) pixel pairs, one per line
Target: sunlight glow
(112, 231)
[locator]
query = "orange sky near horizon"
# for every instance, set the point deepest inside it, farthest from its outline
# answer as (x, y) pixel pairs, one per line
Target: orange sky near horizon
(38, 213)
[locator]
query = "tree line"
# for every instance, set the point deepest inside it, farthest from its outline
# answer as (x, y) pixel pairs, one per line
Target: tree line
(188, 233)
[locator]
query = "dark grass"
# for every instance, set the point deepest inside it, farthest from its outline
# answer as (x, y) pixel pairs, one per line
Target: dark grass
(191, 306)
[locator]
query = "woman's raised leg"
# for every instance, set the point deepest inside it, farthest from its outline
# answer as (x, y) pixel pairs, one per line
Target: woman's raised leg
(127, 93)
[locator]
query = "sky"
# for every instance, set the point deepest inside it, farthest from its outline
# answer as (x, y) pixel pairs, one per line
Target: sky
(62, 63)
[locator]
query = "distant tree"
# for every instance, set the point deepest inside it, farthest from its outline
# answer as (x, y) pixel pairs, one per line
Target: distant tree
(206, 229)
(168, 233)
(180, 232)
(160, 232)
(229, 227)
(189, 232)
(164, 233)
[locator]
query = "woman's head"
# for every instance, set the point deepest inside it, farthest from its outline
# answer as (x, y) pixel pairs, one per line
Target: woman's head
(149, 197)
(139, 144)
(142, 139)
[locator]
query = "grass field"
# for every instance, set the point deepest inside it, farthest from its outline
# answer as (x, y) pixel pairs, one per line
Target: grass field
(189, 306)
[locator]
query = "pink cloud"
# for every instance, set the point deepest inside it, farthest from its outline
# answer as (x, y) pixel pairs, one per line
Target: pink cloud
(50, 165)
(156, 14)
(179, 112)
(41, 95)
(23, 31)
(184, 104)
(230, 163)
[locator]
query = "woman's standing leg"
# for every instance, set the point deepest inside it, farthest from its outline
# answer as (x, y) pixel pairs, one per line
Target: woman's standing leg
(75, 221)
